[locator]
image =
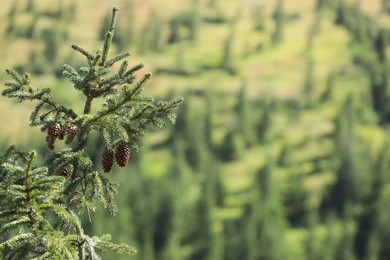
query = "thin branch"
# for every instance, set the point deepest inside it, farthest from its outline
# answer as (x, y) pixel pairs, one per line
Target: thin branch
(32, 155)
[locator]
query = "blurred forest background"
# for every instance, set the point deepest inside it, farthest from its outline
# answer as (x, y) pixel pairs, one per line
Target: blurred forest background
(281, 149)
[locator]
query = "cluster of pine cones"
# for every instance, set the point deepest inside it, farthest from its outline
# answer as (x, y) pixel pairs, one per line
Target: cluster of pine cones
(55, 131)
(121, 156)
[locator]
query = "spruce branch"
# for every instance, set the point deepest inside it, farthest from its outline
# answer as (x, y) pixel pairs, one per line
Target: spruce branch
(43, 204)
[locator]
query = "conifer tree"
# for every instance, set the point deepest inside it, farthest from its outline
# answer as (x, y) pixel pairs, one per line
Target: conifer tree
(227, 62)
(208, 124)
(125, 32)
(30, 6)
(264, 122)
(279, 19)
(265, 225)
(346, 190)
(380, 44)
(42, 205)
(12, 18)
(309, 83)
(330, 81)
(52, 41)
(386, 6)
(244, 118)
(313, 31)
(258, 17)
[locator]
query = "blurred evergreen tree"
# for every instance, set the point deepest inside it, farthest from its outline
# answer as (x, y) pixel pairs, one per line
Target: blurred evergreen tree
(264, 123)
(125, 36)
(330, 82)
(12, 18)
(344, 248)
(331, 238)
(227, 62)
(341, 13)
(105, 22)
(235, 246)
(179, 178)
(72, 11)
(244, 117)
(181, 130)
(284, 155)
(31, 29)
(52, 40)
(312, 244)
(196, 151)
(259, 19)
(265, 223)
(152, 38)
(372, 226)
(174, 35)
(309, 83)
(279, 19)
(190, 21)
(30, 6)
(346, 190)
(156, 41)
(195, 21)
(208, 121)
(320, 4)
(379, 85)
(380, 45)
(231, 148)
(386, 6)
(295, 201)
(314, 31)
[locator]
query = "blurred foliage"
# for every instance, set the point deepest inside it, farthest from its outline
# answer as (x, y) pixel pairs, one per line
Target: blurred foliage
(281, 148)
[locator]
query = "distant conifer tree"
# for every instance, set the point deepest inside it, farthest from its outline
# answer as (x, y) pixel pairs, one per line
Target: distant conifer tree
(279, 19)
(40, 207)
(386, 6)
(227, 62)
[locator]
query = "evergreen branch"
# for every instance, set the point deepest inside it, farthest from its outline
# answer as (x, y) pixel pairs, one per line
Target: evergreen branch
(113, 19)
(36, 197)
(137, 89)
(17, 241)
(134, 69)
(117, 58)
(87, 54)
(106, 246)
(96, 59)
(32, 155)
(15, 212)
(123, 68)
(106, 48)
(15, 76)
(13, 225)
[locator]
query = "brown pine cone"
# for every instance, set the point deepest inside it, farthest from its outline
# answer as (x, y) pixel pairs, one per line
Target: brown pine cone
(122, 154)
(53, 132)
(107, 160)
(71, 132)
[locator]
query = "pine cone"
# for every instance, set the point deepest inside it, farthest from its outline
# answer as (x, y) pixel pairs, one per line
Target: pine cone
(71, 132)
(54, 130)
(122, 154)
(107, 160)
